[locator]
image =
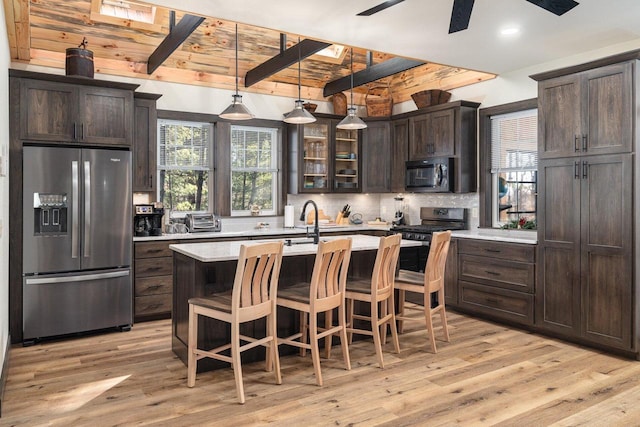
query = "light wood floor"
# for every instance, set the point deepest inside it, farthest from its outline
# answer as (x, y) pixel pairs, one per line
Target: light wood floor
(488, 375)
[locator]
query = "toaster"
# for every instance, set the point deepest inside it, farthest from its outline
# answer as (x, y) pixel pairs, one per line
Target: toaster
(202, 222)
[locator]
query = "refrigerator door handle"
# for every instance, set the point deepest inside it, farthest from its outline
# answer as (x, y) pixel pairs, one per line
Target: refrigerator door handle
(81, 278)
(87, 209)
(75, 209)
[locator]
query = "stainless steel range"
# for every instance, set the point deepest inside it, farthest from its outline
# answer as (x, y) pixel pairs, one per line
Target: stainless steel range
(432, 219)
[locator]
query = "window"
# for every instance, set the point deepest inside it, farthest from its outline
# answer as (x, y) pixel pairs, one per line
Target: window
(508, 165)
(254, 170)
(127, 13)
(184, 166)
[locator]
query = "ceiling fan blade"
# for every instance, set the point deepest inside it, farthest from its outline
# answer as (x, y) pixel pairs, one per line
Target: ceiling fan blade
(460, 15)
(380, 7)
(558, 7)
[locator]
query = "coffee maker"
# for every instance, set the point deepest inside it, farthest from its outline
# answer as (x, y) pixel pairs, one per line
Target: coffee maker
(398, 218)
(147, 220)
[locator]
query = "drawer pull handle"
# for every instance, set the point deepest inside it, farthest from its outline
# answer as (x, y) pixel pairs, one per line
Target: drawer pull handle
(154, 251)
(493, 273)
(492, 300)
(493, 251)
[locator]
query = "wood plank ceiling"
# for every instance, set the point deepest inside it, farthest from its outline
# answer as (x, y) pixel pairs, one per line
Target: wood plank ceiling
(40, 31)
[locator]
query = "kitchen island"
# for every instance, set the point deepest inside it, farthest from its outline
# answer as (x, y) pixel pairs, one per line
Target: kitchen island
(201, 269)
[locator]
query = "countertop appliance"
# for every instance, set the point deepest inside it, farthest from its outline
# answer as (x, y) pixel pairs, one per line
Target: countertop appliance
(76, 240)
(202, 222)
(432, 219)
(431, 175)
(147, 220)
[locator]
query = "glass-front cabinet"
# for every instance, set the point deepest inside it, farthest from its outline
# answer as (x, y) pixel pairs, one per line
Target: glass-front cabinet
(324, 159)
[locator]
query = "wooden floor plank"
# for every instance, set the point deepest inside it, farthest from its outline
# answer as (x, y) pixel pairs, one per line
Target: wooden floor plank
(489, 374)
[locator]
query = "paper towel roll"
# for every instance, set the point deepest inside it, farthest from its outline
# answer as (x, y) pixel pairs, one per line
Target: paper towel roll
(288, 217)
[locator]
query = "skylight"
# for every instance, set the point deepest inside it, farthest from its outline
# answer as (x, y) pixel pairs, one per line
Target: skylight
(131, 10)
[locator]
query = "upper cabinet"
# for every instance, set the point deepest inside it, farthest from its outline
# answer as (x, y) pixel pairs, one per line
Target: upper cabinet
(377, 157)
(144, 141)
(586, 113)
(56, 109)
(323, 158)
(446, 130)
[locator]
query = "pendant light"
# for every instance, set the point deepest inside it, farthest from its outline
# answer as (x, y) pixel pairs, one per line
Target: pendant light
(237, 110)
(299, 115)
(351, 121)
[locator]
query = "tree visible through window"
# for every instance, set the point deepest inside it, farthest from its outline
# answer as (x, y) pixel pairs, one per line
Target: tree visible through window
(184, 165)
(253, 169)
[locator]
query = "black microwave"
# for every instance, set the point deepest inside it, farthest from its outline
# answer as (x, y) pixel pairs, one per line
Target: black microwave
(430, 175)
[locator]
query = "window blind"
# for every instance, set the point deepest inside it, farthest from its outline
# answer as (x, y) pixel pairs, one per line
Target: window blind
(183, 145)
(253, 149)
(514, 144)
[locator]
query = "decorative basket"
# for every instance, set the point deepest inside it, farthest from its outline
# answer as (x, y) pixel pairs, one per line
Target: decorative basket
(379, 100)
(427, 98)
(339, 104)
(79, 61)
(309, 106)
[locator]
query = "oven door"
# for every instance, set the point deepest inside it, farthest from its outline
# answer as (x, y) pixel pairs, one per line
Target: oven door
(431, 175)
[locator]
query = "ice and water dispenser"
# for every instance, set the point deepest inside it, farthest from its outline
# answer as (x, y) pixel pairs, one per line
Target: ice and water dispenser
(50, 213)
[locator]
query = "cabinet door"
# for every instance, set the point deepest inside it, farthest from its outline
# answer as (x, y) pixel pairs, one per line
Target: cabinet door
(315, 153)
(48, 111)
(347, 158)
(607, 264)
(399, 154)
(144, 145)
(376, 157)
(106, 115)
(558, 275)
(441, 133)
(609, 110)
(560, 117)
(418, 128)
(451, 275)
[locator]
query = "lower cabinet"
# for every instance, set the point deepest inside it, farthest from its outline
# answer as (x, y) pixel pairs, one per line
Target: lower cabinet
(153, 280)
(497, 279)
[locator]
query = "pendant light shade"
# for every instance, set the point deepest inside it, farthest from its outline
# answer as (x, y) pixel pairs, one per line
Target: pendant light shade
(352, 121)
(237, 110)
(299, 115)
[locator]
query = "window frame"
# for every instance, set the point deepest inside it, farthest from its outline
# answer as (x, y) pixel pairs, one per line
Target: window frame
(485, 178)
(273, 169)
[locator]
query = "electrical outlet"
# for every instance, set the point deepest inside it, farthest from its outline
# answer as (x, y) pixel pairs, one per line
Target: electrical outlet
(0, 227)
(474, 212)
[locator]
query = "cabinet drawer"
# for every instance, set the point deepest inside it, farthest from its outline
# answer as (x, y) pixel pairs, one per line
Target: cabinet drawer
(152, 304)
(154, 285)
(497, 303)
(146, 267)
(518, 276)
(152, 249)
(500, 250)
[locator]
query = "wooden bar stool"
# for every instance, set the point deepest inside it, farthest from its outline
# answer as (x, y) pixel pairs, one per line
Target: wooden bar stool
(323, 294)
(253, 297)
(427, 283)
(378, 292)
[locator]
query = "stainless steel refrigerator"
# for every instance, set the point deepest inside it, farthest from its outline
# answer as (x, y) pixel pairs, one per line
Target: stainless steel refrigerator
(77, 210)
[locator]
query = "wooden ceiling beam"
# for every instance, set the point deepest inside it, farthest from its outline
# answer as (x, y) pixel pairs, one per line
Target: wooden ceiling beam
(371, 74)
(175, 38)
(307, 47)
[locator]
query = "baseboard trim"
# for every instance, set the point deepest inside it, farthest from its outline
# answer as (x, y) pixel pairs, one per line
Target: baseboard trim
(5, 372)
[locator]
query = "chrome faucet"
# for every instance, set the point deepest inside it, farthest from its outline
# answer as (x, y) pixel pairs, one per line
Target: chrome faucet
(316, 227)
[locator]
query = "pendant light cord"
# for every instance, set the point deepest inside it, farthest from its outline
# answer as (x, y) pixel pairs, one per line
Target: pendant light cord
(299, 78)
(351, 77)
(236, 58)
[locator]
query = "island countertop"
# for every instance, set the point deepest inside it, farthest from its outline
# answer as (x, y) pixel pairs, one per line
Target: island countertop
(227, 251)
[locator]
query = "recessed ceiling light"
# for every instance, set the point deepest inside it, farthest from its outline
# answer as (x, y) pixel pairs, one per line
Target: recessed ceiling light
(509, 31)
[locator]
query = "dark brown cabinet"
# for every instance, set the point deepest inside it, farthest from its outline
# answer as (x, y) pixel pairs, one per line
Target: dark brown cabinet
(65, 112)
(586, 284)
(324, 159)
(153, 280)
(586, 113)
(144, 141)
(399, 154)
(376, 157)
(447, 130)
(451, 275)
(497, 279)
(586, 225)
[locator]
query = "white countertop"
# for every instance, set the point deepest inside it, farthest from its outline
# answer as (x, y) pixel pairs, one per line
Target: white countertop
(229, 251)
(297, 231)
(499, 235)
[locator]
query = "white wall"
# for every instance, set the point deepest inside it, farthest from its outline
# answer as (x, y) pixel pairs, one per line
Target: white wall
(5, 60)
